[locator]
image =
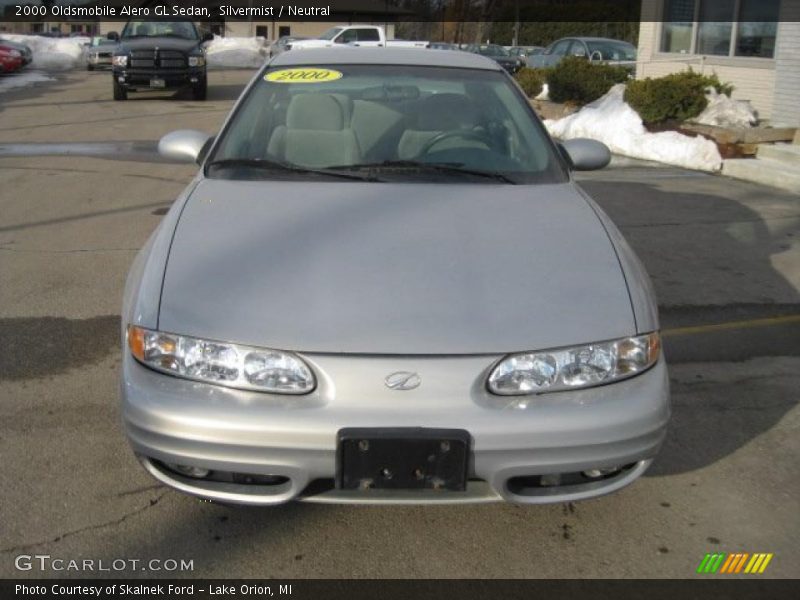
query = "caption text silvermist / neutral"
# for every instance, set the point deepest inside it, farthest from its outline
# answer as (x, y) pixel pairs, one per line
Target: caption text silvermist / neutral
(171, 10)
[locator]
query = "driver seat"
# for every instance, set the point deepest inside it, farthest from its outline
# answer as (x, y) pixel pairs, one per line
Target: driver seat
(435, 115)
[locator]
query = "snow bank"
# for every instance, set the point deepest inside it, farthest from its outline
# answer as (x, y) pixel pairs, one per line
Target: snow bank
(725, 112)
(53, 54)
(235, 52)
(611, 121)
(17, 80)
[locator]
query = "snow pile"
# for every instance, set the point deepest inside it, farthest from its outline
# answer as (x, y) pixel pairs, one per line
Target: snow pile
(235, 52)
(611, 121)
(53, 54)
(725, 112)
(22, 79)
(544, 94)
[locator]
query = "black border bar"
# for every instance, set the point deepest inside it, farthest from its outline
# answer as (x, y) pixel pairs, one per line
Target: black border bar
(709, 588)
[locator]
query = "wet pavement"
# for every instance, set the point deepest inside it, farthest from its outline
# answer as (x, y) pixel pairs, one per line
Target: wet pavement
(81, 192)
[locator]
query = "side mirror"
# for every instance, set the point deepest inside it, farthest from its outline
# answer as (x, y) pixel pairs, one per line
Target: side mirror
(113, 35)
(586, 154)
(184, 145)
(208, 36)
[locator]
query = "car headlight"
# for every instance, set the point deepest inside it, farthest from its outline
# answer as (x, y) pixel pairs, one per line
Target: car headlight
(119, 61)
(197, 61)
(14, 53)
(574, 367)
(231, 365)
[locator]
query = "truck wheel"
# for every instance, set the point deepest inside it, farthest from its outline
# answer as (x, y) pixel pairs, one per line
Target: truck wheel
(90, 67)
(120, 93)
(200, 90)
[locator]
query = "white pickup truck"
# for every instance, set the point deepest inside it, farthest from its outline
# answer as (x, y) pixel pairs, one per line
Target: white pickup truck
(353, 35)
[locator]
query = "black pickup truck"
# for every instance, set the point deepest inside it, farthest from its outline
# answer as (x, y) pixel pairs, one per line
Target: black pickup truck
(158, 55)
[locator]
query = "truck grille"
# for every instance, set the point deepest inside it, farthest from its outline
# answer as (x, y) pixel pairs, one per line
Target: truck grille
(151, 59)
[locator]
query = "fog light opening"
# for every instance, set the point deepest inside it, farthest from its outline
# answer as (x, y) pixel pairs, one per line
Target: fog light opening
(189, 471)
(601, 472)
(550, 480)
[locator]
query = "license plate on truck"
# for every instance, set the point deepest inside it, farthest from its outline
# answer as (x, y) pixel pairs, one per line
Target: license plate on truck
(158, 83)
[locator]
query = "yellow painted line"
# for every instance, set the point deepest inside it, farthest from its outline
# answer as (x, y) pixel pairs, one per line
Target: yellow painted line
(754, 562)
(747, 324)
(765, 563)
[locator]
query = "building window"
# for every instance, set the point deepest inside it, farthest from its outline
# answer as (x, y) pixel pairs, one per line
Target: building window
(720, 27)
(261, 31)
(284, 30)
(715, 27)
(676, 34)
(758, 28)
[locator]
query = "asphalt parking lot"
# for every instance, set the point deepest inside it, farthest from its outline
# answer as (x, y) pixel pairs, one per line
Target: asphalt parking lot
(724, 257)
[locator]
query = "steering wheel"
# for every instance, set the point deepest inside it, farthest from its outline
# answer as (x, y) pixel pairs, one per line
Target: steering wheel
(475, 136)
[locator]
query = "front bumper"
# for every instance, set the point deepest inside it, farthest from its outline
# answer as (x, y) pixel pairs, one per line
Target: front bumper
(99, 60)
(134, 79)
(175, 421)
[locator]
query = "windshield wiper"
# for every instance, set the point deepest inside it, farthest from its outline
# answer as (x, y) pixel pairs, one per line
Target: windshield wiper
(274, 165)
(440, 167)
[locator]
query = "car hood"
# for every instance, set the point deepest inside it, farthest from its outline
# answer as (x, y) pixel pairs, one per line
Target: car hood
(352, 267)
(163, 43)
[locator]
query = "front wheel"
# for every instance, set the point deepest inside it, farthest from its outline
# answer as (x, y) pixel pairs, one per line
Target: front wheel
(90, 67)
(120, 93)
(200, 90)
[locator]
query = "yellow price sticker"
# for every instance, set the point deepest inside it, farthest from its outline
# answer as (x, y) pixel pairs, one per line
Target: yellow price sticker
(304, 75)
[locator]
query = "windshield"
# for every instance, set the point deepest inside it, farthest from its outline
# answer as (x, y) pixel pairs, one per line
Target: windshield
(385, 121)
(330, 33)
(492, 51)
(611, 50)
(180, 29)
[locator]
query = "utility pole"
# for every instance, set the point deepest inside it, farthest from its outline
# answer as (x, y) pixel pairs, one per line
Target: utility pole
(515, 40)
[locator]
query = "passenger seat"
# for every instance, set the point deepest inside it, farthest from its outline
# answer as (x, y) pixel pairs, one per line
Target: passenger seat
(317, 133)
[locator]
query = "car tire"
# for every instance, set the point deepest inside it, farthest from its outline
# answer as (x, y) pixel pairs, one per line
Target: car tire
(120, 93)
(90, 67)
(200, 90)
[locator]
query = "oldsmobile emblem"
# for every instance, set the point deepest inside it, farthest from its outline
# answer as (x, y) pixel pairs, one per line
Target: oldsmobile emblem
(402, 380)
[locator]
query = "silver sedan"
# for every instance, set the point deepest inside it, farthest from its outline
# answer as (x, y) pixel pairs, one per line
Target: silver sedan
(384, 286)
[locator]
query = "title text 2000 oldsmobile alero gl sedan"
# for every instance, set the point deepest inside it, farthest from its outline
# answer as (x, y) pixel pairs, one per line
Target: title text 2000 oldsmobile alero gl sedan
(384, 286)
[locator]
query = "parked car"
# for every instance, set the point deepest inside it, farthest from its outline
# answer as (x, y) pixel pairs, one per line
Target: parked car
(523, 52)
(159, 55)
(99, 53)
(13, 56)
(443, 46)
(280, 45)
(595, 49)
(384, 285)
(510, 63)
(365, 36)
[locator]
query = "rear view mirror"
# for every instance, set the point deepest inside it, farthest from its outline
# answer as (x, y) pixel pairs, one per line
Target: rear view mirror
(184, 145)
(586, 154)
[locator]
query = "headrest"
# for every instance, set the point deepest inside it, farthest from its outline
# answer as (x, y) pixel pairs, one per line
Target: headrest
(443, 112)
(315, 111)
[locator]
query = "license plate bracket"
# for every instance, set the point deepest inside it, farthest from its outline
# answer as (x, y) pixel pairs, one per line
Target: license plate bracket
(403, 458)
(157, 83)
